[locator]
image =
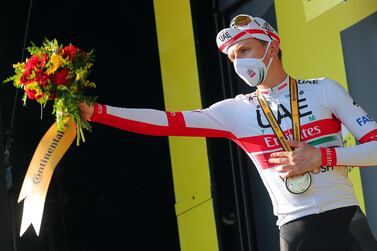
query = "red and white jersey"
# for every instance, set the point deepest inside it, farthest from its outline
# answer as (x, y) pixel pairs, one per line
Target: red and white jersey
(323, 106)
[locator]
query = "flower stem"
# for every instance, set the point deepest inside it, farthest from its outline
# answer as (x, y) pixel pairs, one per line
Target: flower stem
(41, 111)
(78, 134)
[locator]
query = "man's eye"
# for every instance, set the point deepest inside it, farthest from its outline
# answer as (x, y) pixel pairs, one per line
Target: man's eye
(244, 50)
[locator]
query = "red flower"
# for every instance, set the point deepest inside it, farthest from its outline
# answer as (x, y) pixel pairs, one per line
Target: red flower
(41, 77)
(70, 51)
(43, 81)
(38, 96)
(31, 63)
(43, 60)
(24, 78)
(35, 61)
(30, 93)
(61, 77)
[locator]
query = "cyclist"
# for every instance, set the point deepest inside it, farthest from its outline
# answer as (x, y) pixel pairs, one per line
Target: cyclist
(291, 130)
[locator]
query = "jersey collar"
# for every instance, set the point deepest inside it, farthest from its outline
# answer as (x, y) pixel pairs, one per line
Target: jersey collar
(280, 88)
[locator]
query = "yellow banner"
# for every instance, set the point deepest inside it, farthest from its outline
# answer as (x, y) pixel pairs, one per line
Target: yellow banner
(49, 151)
(314, 8)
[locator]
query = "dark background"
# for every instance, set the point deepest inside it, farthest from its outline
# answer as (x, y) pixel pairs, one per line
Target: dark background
(115, 191)
(360, 58)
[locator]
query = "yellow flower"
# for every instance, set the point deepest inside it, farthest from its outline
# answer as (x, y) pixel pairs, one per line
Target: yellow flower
(33, 86)
(17, 83)
(57, 61)
(79, 75)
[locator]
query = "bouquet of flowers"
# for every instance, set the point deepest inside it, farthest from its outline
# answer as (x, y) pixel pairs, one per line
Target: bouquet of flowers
(57, 73)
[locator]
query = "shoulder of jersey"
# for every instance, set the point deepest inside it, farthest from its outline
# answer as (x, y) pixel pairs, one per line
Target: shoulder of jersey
(311, 81)
(240, 97)
(245, 97)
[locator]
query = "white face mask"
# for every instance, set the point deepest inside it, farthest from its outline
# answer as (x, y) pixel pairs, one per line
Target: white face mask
(252, 70)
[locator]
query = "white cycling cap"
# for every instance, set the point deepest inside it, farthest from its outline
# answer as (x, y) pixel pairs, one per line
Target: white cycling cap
(242, 27)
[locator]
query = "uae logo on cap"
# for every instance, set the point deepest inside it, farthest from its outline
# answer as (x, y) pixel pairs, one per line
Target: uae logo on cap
(224, 36)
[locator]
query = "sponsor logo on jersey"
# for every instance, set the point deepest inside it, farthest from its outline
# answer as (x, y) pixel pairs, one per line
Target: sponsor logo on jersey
(310, 82)
(252, 97)
(326, 168)
(283, 113)
(364, 120)
(272, 141)
(314, 133)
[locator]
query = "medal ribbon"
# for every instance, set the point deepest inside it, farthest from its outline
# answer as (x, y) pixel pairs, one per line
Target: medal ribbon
(294, 113)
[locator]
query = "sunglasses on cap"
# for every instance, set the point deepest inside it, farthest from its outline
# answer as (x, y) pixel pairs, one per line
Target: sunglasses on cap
(243, 20)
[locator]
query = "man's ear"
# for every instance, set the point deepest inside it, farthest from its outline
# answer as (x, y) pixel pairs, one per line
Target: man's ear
(274, 48)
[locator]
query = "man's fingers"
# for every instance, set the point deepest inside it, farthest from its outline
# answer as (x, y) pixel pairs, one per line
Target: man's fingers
(283, 168)
(293, 143)
(280, 154)
(286, 174)
(283, 160)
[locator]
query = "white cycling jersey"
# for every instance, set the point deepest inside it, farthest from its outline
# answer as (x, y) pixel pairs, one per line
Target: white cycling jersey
(323, 106)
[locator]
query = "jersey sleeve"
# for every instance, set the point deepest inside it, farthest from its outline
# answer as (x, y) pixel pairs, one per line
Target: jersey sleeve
(357, 121)
(215, 121)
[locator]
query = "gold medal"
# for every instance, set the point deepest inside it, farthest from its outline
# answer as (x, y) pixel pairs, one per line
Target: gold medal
(298, 184)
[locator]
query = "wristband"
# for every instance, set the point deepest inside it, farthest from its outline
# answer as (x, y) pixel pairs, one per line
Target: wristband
(328, 156)
(99, 110)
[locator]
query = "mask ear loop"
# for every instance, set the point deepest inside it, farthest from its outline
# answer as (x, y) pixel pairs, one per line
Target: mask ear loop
(269, 62)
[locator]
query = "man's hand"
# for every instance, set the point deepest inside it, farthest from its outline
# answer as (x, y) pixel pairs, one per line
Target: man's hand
(303, 159)
(86, 111)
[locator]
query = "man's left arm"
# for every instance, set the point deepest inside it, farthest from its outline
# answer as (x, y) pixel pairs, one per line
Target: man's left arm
(308, 158)
(358, 122)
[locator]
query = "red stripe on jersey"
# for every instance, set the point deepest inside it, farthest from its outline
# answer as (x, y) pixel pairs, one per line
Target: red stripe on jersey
(176, 125)
(134, 126)
(98, 111)
(370, 136)
(262, 160)
(176, 120)
(269, 142)
(279, 88)
(283, 86)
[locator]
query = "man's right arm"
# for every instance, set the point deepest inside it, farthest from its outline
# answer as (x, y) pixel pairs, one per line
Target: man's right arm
(215, 121)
